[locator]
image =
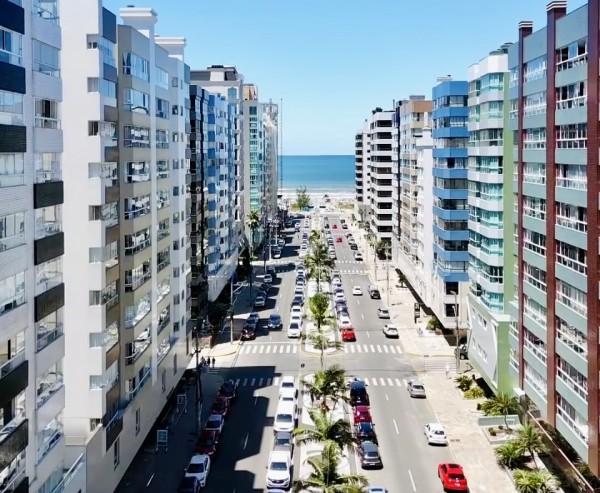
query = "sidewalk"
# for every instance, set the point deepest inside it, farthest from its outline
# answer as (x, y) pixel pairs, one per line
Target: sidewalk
(458, 415)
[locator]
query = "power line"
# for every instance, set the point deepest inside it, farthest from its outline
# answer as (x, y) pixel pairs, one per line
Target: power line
(281, 145)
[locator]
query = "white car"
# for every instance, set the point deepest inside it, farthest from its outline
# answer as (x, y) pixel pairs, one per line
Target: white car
(268, 279)
(260, 301)
(345, 321)
(278, 470)
(294, 331)
(296, 319)
(390, 330)
(358, 257)
(303, 253)
(383, 313)
(199, 467)
(357, 291)
(435, 433)
(288, 394)
(336, 281)
(296, 311)
(339, 296)
(288, 384)
(285, 416)
(377, 489)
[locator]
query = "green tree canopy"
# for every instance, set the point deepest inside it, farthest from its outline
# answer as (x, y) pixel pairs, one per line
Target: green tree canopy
(302, 198)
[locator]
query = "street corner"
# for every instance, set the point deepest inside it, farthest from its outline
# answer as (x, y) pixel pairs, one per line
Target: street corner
(225, 349)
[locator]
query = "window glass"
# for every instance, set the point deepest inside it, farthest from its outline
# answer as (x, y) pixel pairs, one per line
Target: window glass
(46, 59)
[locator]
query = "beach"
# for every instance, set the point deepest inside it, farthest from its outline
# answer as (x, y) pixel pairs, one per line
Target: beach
(337, 200)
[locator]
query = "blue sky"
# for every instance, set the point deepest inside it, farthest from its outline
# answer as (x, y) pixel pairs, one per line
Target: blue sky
(333, 61)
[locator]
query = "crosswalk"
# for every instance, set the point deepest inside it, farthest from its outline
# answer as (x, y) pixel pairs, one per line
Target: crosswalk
(438, 364)
(269, 348)
(372, 348)
(258, 381)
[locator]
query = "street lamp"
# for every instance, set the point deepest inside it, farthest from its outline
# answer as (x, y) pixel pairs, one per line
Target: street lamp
(457, 350)
(198, 386)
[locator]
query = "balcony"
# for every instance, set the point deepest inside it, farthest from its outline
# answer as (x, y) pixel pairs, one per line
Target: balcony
(139, 346)
(14, 438)
(13, 378)
(70, 475)
(142, 381)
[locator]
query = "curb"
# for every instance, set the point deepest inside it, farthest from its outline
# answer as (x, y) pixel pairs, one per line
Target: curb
(226, 353)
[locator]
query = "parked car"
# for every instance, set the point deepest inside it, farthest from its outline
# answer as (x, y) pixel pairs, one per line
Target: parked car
(248, 332)
(207, 443)
(275, 321)
(390, 330)
(294, 331)
(268, 278)
(260, 300)
(215, 422)
(369, 456)
(348, 334)
(452, 477)
(278, 470)
(362, 413)
(358, 257)
(199, 467)
(339, 239)
(365, 432)
(189, 484)
(462, 350)
(416, 389)
(228, 390)
(220, 406)
(383, 313)
(288, 383)
(284, 441)
(357, 291)
(358, 393)
(435, 434)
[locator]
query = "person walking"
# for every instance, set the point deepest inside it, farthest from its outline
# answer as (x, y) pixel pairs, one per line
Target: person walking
(213, 363)
(447, 370)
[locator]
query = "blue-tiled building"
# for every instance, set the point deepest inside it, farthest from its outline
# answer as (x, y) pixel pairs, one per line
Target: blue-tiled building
(450, 198)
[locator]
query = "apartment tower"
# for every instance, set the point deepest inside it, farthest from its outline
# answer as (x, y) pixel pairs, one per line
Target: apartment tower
(553, 92)
(125, 236)
(362, 172)
(450, 203)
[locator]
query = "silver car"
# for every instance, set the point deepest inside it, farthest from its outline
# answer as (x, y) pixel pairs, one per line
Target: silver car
(416, 389)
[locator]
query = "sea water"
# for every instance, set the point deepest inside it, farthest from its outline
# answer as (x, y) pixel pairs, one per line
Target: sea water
(319, 174)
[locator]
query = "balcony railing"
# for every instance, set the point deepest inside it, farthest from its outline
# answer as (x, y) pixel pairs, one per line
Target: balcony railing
(47, 338)
(11, 242)
(70, 474)
(51, 438)
(135, 391)
(48, 391)
(12, 363)
(139, 349)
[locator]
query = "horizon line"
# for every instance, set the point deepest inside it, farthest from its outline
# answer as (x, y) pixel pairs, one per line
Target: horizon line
(315, 155)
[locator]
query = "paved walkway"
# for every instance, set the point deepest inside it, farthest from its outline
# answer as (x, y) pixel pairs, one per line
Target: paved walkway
(431, 355)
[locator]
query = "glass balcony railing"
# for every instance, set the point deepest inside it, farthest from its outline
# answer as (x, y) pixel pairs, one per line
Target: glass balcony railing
(11, 364)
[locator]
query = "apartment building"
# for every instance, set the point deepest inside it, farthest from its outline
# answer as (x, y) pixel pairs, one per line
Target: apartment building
(409, 120)
(362, 172)
(271, 155)
(553, 338)
(488, 143)
(32, 291)
(226, 81)
(450, 203)
(358, 169)
(380, 178)
(125, 235)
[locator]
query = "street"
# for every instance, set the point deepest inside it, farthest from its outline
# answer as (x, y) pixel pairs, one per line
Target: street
(260, 364)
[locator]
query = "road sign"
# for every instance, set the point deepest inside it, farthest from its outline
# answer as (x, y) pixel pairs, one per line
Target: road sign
(182, 401)
(162, 439)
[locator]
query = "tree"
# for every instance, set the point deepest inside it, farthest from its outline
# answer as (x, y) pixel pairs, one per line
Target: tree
(326, 430)
(383, 249)
(315, 237)
(253, 222)
(529, 440)
(302, 199)
(329, 384)
(509, 455)
(535, 481)
(501, 404)
(319, 309)
(318, 263)
(325, 477)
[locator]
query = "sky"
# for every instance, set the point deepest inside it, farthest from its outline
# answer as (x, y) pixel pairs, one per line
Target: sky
(330, 62)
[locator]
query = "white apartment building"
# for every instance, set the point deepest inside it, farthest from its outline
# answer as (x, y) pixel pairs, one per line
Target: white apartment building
(380, 179)
(362, 173)
(32, 291)
(271, 153)
(123, 232)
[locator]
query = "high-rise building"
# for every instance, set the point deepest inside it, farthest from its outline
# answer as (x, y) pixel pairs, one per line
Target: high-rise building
(553, 93)
(488, 143)
(362, 172)
(450, 201)
(409, 120)
(271, 154)
(32, 288)
(380, 179)
(126, 278)
(358, 171)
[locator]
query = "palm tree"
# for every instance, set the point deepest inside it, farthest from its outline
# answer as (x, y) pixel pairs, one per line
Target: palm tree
(319, 309)
(318, 263)
(501, 404)
(329, 384)
(314, 237)
(529, 440)
(253, 222)
(535, 481)
(325, 430)
(325, 477)
(509, 454)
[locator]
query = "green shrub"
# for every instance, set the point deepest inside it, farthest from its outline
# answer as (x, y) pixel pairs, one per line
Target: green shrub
(475, 392)
(510, 454)
(463, 382)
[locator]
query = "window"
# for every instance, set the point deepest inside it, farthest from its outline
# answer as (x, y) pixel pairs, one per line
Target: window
(46, 59)
(572, 257)
(48, 275)
(137, 420)
(571, 216)
(11, 47)
(106, 130)
(534, 241)
(137, 242)
(573, 136)
(105, 47)
(162, 170)
(572, 176)
(46, 9)
(136, 101)
(572, 337)
(162, 199)
(12, 231)
(47, 113)
(134, 136)
(136, 206)
(162, 78)
(12, 292)
(137, 276)
(534, 173)
(136, 65)
(135, 313)
(571, 96)
(137, 171)
(48, 221)
(572, 55)
(162, 139)
(572, 297)
(48, 167)
(12, 170)
(534, 138)
(116, 453)
(163, 109)
(535, 104)
(535, 69)
(105, 87)
(11, 108)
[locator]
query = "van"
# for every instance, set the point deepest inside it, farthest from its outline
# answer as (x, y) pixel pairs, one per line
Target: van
(374, 292)
(285, 417)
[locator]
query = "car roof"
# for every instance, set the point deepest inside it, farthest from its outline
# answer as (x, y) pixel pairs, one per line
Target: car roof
(357, 384)
(415, 382)
(198, 458)
(435, 426)
(279, 455)
(365, 424)
(366, 445)
(283, 434)
(273, 315)
(288, 379)
(363, 409)
(453, 467)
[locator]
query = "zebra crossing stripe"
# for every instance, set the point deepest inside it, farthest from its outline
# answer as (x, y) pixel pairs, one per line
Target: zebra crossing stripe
(245, 382)
(359, 349)
(366, 380)
(260, 382)
(372, 348)
(374, 382)
(269, 382)
(398, 383)
(268, 349)
(252, 382)
(382, 381)
(237, 382)
(288, 349)
(385, 348)
(390, 383)
(378, 348)
(276, 381)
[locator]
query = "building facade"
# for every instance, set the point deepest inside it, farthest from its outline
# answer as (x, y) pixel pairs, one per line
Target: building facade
(362, 172)
(271, 155)
(488, 323)
(380, 174)
(450, 203)
(125, 232)
(409, 119)
(553, 93)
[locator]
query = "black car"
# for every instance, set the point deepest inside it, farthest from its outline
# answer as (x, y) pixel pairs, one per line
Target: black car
(353, 246)
(298, 300)
(248, 333)
(358, 393)
(365, 432)
(462, 350)
(189, 484)
(228, 390)
(368, 453)
(264, 287)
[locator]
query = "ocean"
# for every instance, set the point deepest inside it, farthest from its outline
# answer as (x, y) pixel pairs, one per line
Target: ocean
(319, 174)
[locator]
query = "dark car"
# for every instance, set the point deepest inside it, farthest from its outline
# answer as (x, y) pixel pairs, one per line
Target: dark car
(365, 432)
(298, 300)
(368, 453)
(353, 246)
(284, 441)
(248, 332)
(462, 350)
(189, 484)
(220, 406)
(275, 321)
(253, 317)
(358, 393)
(264, 287)
(228, 390)
(207, 443)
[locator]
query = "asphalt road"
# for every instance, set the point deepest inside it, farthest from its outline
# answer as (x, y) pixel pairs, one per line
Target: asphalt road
(410, 464)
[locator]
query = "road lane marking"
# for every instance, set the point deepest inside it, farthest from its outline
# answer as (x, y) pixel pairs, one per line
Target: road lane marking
(412, 481)
(385, 349)
(390, 382)
(245, 382)
(289, 348)
(358, 348)
(269, 382)
(382, 380)
(255, 400)
(276, 381)
(246, 440)
(368, 335)
(392, 349)
(374, 382)
(372, 348)
(252, 382)
(396, 427)
(366, 380)
(378, 348)
(352, 349)
(237, 382)
(357, 302)
(268, 350)
(362, 315)
(387, 398)
(270, 338)
(398, 383)
(260, 382)
(254, 349)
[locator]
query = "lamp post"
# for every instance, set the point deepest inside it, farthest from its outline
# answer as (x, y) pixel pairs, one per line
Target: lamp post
(198, 386)
(457, 350)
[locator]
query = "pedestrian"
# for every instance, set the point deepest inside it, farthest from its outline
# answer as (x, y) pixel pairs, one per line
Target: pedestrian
(447, 370)
(312, 397)
(213, 362)
(202, 362)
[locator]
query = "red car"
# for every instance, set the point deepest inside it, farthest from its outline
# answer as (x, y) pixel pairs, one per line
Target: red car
(339, 239)
(348, 334)
(220, 406)
(207, 443)
(452, 477)
(362, 414)
(335, 226)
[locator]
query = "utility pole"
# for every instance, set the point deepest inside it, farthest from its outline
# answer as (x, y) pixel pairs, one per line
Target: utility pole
(231, 308)
(199, 396)
(387, 256)
(457, 350)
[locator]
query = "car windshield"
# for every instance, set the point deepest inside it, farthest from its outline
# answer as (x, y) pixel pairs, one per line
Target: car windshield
(207, 442)
(284, 418)
(294, 326)
(287, 399)
(437, 432)
(418, 387)
(371, 454)
(195, 468)
(278, 466)
(275, 318)
(456, 476)
(281, 441)
(289, 385)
